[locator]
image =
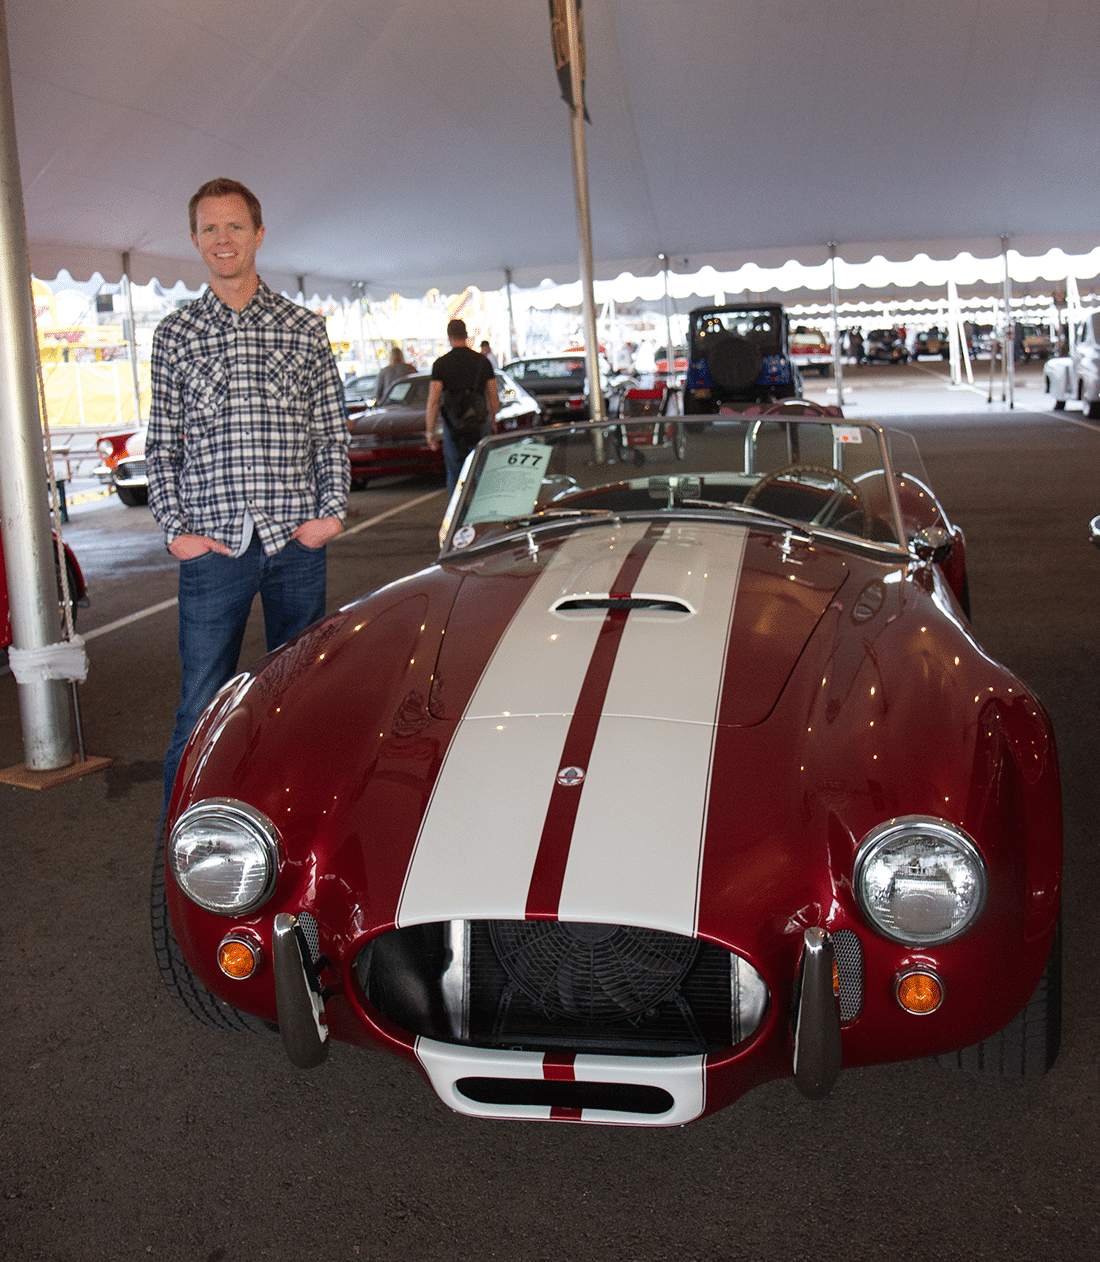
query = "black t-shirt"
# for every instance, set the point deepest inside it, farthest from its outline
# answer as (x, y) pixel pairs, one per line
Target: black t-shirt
(462, 369)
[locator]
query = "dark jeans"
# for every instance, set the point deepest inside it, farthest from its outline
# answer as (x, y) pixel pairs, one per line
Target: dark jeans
(456, 447)
(215, 599)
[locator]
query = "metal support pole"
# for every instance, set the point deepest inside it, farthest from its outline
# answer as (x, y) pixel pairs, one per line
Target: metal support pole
(1009, 364)
(670, 358)
(584, 219)
(24, 513)
(131, 338)
(838, 372)
(513, 351)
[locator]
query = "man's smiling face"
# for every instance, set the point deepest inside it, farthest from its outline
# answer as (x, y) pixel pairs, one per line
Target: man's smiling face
(225, 236)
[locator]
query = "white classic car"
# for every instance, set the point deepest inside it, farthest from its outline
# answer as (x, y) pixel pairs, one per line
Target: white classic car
(1077, 375)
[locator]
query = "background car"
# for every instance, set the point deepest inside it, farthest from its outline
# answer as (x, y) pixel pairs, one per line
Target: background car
(668, 780)
(1036, 342)
(560, 385)
(1077, 375)
(359, 393)
(123, 467)
(885, 346)
(738, 356)
(931, 342)
(810, 349)
(389, 437)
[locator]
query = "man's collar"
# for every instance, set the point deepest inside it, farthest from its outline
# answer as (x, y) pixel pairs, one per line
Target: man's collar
(258, 307)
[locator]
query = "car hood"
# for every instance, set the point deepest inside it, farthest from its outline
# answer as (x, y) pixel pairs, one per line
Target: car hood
(587, 737)
(707, 620)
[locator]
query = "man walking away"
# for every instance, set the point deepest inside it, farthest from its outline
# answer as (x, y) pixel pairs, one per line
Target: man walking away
(464, 389)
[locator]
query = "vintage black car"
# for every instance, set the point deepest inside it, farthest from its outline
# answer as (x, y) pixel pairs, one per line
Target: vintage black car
(738, 356)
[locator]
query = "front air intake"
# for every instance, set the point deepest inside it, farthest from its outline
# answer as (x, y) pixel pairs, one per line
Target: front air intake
(559, 986)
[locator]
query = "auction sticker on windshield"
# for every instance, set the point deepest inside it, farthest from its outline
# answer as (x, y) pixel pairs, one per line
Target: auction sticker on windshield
(509, 483)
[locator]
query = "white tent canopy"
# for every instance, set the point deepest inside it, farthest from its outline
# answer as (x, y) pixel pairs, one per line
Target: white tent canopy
(411, 144)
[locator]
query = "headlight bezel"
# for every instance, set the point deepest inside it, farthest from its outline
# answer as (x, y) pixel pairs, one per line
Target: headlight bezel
(250, 826)
(893, 833)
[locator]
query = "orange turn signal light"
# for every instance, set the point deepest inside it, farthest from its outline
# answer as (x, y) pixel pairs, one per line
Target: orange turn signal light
(239, 957)
(919, 991)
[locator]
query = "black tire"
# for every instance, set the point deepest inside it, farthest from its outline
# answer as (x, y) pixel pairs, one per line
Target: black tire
(1059, 405)
(133, 496)
(1092, 409)
(734, 363)
(1028, 1045)
(176, 973)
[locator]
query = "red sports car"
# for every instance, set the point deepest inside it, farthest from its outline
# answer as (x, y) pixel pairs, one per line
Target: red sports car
(668, 779)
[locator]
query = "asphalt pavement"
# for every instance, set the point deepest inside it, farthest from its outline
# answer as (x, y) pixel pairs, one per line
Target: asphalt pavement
(131, 1132)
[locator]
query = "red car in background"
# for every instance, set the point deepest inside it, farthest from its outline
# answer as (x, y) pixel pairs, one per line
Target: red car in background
(389, 437)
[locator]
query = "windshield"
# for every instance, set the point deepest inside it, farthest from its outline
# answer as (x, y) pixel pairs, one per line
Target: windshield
(816, 475)
(547, 369)
(408, 391)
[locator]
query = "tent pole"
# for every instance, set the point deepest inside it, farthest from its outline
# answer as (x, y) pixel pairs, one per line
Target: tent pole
(1008, 367)
(131, 337)
(584, 217)
(28, 548)
(837, 370)
(513, 352)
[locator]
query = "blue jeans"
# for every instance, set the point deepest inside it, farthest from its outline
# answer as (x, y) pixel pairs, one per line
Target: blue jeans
(456, 447)
(215, 599)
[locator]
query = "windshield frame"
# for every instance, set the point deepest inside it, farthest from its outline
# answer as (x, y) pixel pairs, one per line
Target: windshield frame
(459, 533)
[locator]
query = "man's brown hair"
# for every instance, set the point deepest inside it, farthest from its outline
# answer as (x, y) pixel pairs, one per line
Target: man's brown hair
(223, 187)
(456, 330)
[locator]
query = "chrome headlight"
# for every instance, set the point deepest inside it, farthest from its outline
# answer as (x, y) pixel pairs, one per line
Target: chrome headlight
(224, 855)
(919, 880)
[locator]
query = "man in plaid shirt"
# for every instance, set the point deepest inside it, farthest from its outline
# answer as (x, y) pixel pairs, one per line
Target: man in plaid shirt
(246, 454)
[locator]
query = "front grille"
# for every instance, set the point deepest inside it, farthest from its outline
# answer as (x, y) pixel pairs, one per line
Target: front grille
(551, 985)
(130, 471)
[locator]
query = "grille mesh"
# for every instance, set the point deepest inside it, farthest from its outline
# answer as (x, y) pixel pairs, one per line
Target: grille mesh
(849, 967)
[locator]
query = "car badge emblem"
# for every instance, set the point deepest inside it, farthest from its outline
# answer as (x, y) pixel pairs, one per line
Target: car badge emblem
(570, 777)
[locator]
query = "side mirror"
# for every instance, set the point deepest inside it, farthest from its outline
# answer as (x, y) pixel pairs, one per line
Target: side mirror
(932, 545)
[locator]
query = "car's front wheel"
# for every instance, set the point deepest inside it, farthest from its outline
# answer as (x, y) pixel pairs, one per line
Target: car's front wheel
(176, 973)
(1028, 1045)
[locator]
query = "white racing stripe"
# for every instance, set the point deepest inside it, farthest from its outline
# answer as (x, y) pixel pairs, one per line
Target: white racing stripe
(637, 844)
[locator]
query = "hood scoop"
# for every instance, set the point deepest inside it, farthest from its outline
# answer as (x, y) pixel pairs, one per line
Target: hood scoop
(596, 602)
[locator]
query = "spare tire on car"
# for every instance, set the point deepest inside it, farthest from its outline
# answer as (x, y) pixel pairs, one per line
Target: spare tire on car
(734, 363)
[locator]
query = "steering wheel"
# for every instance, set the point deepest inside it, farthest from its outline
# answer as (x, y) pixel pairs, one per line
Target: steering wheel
(794, 472)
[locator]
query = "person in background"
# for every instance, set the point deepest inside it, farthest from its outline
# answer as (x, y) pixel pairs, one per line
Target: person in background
(247, 455)
(462, 368)
(486, 350)
(393, 371)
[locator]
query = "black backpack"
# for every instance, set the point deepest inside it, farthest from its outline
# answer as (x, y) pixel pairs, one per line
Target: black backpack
(466, 410)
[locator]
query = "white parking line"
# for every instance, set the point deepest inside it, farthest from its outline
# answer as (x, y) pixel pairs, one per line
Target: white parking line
(168, 604)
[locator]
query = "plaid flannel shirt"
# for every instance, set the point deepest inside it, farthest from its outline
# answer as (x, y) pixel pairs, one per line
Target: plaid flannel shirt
(247, 416)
